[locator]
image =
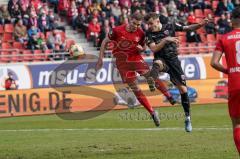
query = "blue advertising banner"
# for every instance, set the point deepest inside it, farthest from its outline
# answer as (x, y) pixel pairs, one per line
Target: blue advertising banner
(70, 74)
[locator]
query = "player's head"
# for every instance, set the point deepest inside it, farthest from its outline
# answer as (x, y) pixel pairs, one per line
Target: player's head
(153, 21)
(135, 21)
(236, 17)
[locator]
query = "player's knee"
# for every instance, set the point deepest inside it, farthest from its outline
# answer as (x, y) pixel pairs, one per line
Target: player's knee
(133, 87)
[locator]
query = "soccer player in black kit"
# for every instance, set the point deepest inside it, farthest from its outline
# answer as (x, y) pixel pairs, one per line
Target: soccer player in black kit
(162, 42)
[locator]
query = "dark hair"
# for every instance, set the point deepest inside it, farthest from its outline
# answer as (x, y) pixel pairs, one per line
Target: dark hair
(236, 13)
(137, 16)
(151, 15)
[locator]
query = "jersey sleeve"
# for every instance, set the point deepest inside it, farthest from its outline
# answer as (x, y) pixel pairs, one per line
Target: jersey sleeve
(178, 27)
(219, 46)
(112, 34)
(149, 39)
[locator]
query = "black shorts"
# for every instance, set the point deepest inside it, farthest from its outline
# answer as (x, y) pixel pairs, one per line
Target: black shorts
(174, 70)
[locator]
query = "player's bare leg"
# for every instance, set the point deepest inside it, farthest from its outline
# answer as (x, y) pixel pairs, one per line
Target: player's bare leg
(159, 66)
(236, 132)
(143, 100)
(186, 106)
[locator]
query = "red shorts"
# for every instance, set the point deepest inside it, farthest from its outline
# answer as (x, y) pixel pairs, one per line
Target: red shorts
(129, 68)
(234, 104)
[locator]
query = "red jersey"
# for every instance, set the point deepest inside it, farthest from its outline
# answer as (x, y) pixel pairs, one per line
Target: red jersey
(230, 45)
(125, 42)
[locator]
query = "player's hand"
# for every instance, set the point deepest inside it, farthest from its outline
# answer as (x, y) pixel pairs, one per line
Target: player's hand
(140, 48)
(172, 39)
(99, 64)
(205, 21)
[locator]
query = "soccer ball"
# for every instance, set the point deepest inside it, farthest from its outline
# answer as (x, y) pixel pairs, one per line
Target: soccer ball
(76, 50)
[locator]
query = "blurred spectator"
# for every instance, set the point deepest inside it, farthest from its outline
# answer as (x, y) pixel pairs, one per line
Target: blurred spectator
(94, 6)
(33, 21)
(230, 6)
(72, 14)
(6, 18)
(172, 8)
(93, 31)
(55, 41)
(125, 3)
(223, 25)
(104, 31)
(15, 12)
(183, 6)
(135, 6)
(20, 32)
(182, 18)
(221, 7)
(24, 4)
(55, 25)
(82, 20)
(106, 8)
(43, 22)
(63, 6)
(210, 26)
(33, 38)
(116, 10)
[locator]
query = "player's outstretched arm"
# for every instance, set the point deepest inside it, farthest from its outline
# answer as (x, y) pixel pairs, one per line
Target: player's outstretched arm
(216, 64)
(102, 50)
(196, 26)
(157, 47)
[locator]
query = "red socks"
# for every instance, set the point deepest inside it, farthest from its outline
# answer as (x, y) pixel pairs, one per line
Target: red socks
(161, 87)
(143, 100)
(236, 137)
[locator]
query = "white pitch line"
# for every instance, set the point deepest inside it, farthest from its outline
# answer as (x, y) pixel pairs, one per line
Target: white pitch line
(118, 129)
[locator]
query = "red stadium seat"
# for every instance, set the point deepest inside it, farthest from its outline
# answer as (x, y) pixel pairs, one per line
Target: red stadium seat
(6, 46)
(182, 50)
(203, 37)
(47, 54)
(180, 33)
(201, 31)
(7, 37)
(182, 39)
(27, 55)
(192, 48)
(1, 29)
(202, 48)
(208, 11)
(4, 54)
(198, 20)
(6, 51)
(198, 13)
(38, 55)
(211, 47)
(8, 28)
(211, 38)
(18, 45)
(17, 56)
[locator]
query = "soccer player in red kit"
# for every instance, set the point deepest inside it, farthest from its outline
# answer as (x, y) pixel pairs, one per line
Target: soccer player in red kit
(229, 44)
(129, 41)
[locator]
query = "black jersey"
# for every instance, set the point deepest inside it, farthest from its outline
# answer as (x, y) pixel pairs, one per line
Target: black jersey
(169, 50)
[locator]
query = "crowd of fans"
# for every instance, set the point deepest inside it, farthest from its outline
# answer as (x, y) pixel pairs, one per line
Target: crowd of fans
(96, 17)
(36, 26)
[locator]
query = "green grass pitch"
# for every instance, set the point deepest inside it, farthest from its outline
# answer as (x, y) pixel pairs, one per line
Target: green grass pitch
(120, 134)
